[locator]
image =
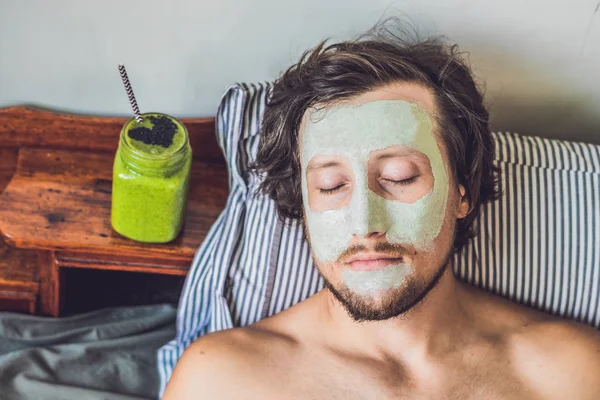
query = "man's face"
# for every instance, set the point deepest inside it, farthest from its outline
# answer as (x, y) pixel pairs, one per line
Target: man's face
(379, 205)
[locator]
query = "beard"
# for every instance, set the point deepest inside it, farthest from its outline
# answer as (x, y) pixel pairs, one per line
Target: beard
(393, 303)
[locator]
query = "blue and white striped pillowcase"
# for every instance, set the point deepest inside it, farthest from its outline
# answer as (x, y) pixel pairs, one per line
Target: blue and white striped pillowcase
(265, 265)
(539, 244)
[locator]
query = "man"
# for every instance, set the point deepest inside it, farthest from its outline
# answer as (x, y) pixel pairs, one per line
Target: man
(382, 146)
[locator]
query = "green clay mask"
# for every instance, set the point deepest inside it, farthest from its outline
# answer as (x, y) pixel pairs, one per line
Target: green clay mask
(353, 132)
(367, 283)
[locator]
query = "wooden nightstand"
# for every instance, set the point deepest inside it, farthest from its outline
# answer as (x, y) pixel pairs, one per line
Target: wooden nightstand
(57, 204)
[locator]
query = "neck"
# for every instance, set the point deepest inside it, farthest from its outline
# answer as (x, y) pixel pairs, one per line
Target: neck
(434, 325)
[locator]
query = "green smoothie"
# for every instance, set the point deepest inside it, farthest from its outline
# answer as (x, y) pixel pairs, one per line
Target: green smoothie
(150, 179)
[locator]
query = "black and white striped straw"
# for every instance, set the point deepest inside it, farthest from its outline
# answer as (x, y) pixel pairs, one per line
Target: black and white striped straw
(129, 90)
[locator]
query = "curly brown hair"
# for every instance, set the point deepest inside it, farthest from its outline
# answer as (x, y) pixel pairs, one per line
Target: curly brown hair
(330, 73)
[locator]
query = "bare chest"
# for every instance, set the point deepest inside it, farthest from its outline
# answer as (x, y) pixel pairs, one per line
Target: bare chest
(350, 380)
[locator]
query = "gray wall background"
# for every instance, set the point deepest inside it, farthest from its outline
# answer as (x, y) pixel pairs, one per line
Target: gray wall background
(540, 59)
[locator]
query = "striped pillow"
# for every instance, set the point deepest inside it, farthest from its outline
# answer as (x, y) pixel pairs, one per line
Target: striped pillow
(539, 244)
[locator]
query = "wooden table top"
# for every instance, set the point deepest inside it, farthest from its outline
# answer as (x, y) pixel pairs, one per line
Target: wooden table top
(61, 200)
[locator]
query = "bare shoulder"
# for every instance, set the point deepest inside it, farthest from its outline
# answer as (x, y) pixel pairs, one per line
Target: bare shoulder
(561, 358)
(225, 364)
(242, 362)
(556, 357)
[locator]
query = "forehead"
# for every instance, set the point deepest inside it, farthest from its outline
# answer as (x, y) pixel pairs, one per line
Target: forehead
(357, 130)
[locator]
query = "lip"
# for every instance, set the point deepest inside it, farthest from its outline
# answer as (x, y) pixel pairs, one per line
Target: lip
(372, 261)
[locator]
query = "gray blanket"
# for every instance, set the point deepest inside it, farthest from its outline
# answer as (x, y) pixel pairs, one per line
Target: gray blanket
(106, 354)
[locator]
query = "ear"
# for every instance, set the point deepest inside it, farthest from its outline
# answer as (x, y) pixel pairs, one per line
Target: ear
(464, 205)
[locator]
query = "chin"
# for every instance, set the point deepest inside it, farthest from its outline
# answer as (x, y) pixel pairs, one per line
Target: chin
(384, 304)
(381, 305)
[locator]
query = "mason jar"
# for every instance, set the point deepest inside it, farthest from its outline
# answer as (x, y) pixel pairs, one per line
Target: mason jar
(151, 175)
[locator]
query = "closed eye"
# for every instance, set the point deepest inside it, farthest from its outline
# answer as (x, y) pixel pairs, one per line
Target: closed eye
(332, 190)
(403, 182)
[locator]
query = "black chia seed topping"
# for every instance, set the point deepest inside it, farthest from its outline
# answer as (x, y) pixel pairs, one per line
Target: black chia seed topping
(161, 134)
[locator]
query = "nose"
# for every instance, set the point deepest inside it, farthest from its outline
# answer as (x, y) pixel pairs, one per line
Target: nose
(369, 215)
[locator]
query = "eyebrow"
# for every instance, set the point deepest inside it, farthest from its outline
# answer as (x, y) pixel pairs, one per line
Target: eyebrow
(328, 164)
(404, 153)
(390, 155)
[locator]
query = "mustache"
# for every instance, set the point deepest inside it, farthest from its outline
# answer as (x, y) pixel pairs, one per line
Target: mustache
(393, 249)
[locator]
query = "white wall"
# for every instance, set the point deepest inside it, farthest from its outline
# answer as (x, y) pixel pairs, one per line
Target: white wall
(540, 58)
